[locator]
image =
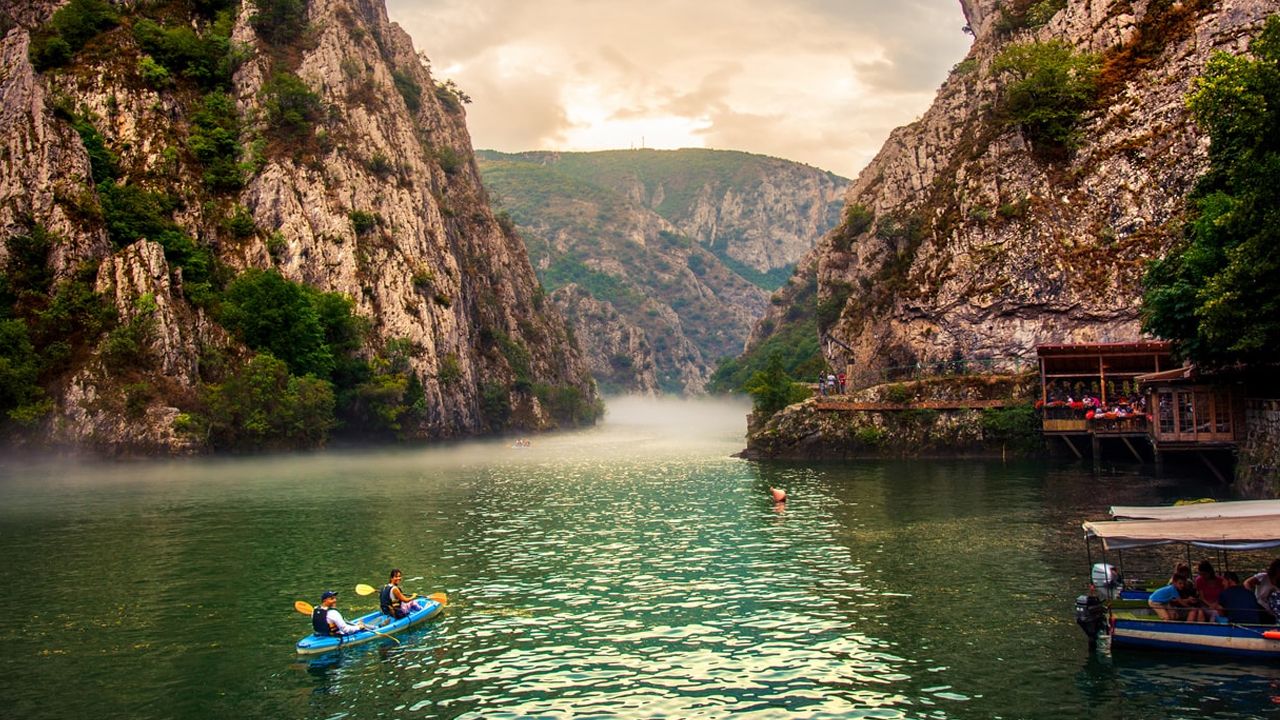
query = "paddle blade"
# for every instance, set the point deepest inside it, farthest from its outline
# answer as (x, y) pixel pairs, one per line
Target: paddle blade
(363, 589)
(303, 607)
(439, 597)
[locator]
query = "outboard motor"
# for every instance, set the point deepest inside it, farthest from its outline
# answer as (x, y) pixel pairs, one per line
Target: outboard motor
(1091, 616)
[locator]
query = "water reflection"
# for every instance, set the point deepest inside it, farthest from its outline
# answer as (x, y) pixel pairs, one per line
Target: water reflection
(631, 570)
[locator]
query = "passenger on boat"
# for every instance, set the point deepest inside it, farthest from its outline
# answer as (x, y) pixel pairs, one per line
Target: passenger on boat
(326, 620)
(393, 601)
(1238, 603)
(1208, 584)
(1264, 586)
(1170, 605)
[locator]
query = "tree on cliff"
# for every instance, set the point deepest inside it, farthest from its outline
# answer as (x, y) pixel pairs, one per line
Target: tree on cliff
(772, 389)
(1217, 294)
(1048, 87)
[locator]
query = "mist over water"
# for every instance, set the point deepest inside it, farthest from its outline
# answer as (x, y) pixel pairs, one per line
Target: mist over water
(634, 569)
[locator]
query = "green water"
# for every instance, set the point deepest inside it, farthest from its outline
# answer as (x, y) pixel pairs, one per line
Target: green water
(636, 570)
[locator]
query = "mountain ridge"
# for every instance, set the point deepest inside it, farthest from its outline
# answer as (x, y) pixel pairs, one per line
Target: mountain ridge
(680, 246)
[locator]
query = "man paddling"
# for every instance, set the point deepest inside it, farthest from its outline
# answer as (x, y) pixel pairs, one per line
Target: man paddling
(393, 601)
(326, 620)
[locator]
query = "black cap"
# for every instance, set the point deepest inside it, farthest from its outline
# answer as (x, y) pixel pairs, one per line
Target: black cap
(328, 594)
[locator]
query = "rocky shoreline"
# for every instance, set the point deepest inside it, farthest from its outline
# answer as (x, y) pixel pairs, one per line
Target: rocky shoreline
(959, 416)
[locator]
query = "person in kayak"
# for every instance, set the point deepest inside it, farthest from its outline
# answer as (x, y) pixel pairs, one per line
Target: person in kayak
(393, 601)
(326, 620)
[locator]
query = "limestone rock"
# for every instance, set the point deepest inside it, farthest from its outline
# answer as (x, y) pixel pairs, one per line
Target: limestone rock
(435, 270)
(1009, 250)
(619, 354)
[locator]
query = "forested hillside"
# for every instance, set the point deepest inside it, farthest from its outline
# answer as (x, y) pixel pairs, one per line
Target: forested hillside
(681, 247)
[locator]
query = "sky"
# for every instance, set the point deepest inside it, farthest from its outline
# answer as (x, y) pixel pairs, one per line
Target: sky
(816, 81)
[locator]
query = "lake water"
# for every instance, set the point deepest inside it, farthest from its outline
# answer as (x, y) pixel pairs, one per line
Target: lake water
(633, 570)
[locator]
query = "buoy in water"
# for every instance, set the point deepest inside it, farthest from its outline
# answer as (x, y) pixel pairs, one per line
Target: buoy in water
(779, 495)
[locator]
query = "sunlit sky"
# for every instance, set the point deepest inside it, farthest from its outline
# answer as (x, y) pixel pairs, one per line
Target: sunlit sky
(817, 81)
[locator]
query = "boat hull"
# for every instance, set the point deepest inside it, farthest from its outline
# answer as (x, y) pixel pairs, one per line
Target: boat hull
(1236, 640)
(315, 644)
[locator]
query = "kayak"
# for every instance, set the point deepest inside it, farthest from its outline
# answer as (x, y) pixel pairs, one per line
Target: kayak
(314, 644)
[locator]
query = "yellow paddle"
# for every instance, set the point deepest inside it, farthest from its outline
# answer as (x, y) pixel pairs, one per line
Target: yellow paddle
(439, 597)
(305, 608)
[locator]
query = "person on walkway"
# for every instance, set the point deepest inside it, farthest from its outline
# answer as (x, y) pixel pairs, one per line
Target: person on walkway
(326, 620)
(840, 382)
(1264, 586)
(392, 599)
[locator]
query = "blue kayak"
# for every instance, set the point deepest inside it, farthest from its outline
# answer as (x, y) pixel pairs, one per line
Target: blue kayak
(314, 644)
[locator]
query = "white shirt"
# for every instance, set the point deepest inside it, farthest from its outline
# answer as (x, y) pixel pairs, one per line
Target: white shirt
(1263, 589)
(343, 627)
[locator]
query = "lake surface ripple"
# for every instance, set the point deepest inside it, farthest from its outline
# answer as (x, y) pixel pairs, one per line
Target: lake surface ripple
(634, 570)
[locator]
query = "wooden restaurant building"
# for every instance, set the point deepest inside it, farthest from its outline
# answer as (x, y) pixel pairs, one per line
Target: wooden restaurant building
(1134, 395)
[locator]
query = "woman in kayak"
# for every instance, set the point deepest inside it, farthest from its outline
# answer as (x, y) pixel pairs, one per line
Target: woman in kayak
(393, 601)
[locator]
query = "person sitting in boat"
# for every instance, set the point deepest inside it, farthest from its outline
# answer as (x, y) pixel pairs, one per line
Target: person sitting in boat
(326, 620)
(1208, 585)
(1238, 603)
(393, 601)
(1170, 604)
(1264, 586)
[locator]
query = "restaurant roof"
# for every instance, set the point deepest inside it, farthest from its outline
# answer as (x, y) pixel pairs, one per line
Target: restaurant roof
(1159, 347)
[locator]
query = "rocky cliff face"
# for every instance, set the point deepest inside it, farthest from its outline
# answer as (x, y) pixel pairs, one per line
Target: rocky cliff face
(683, 245)
(380, 200)
(980, 246)
(619, 353)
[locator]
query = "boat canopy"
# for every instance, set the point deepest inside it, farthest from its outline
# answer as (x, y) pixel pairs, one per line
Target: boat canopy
(1253, 532)
(1231, 509)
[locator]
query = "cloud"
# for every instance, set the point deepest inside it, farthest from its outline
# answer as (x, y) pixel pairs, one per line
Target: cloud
(817, 81)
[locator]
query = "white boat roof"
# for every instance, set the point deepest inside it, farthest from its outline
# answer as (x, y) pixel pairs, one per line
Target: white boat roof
(1253, 532)
(1230, 509)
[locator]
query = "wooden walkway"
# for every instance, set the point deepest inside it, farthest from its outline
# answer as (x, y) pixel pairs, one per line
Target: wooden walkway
(926, 405)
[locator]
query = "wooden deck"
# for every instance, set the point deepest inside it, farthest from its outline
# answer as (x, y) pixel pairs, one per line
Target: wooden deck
(848, 405)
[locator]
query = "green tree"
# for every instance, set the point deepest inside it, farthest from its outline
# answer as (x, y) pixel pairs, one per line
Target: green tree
(1049, 89)
(279, 21)
(772, 389)
(269, 313)
(264, 406)
(21, 396)
(215, 141)
(73, 25)
(1217, 293)
(292, 108)
(206, 59)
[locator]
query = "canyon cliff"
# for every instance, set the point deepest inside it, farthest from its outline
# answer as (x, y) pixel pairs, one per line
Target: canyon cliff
(676, 250)
(350, 175)
(970, 237)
